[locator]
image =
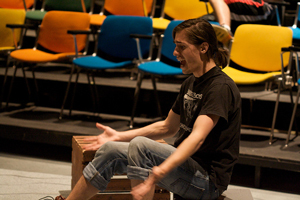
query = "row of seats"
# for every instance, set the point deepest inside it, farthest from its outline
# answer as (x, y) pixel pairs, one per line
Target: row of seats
(247, 50)
(171, 9)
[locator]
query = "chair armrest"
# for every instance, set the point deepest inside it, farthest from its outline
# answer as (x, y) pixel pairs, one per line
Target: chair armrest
(141, 36)
(291, 48)
(137, 38)
(20, 26)
(75, 32)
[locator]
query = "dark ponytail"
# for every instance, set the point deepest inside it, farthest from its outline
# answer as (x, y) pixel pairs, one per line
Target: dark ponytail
(221, 57)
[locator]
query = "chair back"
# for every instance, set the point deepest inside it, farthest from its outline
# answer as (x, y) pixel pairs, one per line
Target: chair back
(53, 31)
(10, 16)
(258, 47)
(16, 4)
(168, 45)
(128, 7)
(114, 38)
(67, 5)
(188, 9)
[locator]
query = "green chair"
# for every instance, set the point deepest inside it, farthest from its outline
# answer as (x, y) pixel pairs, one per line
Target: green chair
(62, 5)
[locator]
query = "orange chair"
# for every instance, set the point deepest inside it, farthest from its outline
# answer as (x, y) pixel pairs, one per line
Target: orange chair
(53, 38)
(120, 7)
(16, 4)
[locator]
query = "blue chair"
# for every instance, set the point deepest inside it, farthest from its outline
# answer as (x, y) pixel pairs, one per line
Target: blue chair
(158, 66)
(115, 41)
(295, 28)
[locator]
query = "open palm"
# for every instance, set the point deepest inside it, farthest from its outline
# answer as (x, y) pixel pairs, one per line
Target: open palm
(96, 142)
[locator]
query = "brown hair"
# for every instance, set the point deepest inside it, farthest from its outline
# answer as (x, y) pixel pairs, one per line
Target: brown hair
(199, 31)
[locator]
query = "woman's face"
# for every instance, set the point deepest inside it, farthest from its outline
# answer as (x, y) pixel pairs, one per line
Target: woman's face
(187, 54)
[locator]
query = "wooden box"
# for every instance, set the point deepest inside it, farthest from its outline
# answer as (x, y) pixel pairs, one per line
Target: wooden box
(119, 186)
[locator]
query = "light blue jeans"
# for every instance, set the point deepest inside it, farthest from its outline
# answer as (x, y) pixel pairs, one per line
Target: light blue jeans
(137, 158)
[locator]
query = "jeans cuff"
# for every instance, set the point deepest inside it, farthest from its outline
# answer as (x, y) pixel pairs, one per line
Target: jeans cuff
(93, 176)
(137, 173)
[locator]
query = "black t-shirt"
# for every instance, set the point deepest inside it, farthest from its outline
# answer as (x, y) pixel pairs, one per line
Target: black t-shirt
(212, 93)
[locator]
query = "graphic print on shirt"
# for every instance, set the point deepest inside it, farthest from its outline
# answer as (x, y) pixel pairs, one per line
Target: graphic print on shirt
(191, 100)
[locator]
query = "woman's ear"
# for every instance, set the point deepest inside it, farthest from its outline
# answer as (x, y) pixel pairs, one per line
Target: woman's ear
(204, 47)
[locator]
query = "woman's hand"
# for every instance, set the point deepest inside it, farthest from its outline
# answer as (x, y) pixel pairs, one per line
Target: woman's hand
(96, 142)
(146, 188)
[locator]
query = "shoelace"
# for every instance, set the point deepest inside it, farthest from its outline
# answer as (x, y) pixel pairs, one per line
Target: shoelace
(47, 198)
(51, 198)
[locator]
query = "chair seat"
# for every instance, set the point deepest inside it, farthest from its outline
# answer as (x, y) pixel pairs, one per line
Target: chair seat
(95, 62)
(296, 33)
(97, 19)
(35, 15)
(245, 78)
(159, 68)
(37, 56)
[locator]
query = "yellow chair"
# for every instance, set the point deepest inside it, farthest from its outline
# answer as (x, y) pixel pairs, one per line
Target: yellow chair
(257, 49)
(16, 4)
(54, 44)
(10, 38)
(180, 10)
(119, 7)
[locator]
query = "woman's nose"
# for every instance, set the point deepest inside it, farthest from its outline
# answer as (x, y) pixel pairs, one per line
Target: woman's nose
(175, 53)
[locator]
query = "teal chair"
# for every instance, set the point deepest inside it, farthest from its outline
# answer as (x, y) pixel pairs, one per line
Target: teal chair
(116, 42)
(165, 64)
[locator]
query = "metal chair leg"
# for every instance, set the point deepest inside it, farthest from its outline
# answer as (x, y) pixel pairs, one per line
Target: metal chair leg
(3, 86)
(275, 115)
(74, 92)
(66, 94)
(36, 86)
(91, 89)
(26, 80)
(136, 97)
(292, 119)
(96, 94)
(11, 85)
(156, 95)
